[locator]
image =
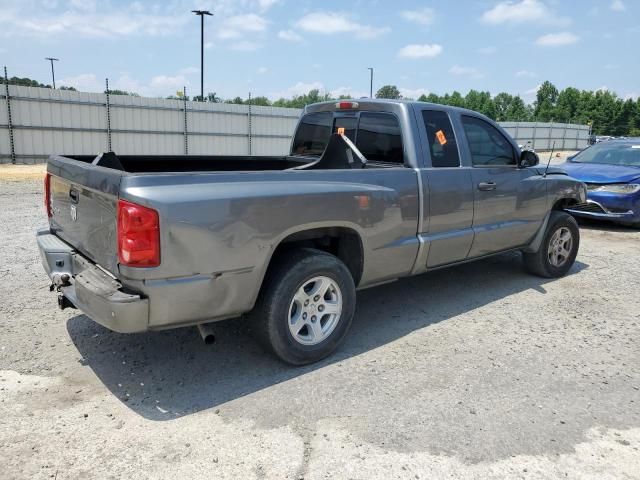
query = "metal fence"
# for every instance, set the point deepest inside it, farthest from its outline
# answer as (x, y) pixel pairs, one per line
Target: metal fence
(35, 122)
(544, 136)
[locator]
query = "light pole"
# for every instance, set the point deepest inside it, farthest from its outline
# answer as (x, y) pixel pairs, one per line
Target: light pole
(201, 14)
(53, 75)
(370, 82)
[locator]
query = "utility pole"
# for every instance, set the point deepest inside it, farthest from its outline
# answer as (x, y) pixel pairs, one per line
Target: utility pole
(53, 75)
(201, 14)
(371, 82)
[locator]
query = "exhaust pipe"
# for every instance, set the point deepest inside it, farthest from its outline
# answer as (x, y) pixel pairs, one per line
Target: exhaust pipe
(207, 333)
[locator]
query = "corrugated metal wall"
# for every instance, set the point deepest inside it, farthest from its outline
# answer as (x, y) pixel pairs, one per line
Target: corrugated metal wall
(543, 136)
(46, 121)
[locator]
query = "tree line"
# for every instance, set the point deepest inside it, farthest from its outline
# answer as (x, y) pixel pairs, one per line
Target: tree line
(605, 111)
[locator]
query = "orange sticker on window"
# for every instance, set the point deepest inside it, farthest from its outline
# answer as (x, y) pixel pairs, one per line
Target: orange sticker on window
(441, 137)
(341, 131)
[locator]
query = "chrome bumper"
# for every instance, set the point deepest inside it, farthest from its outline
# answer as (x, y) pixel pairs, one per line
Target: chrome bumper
(592, 209)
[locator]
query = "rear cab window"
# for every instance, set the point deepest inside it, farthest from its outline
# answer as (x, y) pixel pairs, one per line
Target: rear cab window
(376, 134)
(443, 146)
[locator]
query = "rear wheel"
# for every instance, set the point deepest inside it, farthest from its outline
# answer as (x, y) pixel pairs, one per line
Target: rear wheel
(559, 247)
(306, 306)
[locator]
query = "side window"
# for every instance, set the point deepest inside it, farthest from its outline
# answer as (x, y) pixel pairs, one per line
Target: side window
(442, 141)
(488, 146)
(379, 137)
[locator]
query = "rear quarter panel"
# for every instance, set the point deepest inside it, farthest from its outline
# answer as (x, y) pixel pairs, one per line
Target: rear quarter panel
(226, 226)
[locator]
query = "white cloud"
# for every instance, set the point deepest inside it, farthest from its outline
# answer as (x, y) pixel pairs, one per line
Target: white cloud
(76, 23)
(632, 96)
(85, 82)
(487, 50)
(470, 72)
(618, 6)
(237, 25)
(422, 16)
(299, 88)
(348, 91)
(263, 70)
(157, 86)
(329, 23)
(524, 11)
(265, 5)
(209, 45)
(289, 36)
(526, 74)
(414, 93)
(420, 51)
(557, 39)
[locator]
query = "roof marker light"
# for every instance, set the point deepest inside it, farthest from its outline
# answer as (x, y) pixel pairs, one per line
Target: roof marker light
(347, 105)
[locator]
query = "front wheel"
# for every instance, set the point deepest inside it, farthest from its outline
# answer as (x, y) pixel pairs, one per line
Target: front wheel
(306, 307)
(559, 247)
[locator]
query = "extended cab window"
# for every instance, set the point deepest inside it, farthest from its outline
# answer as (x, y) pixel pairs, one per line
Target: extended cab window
(313, 134)
(379, 137)
(488, 146)
(442, 142)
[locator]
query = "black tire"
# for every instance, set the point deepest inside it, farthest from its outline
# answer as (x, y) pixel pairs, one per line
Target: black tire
(539, 263)
(271, 315)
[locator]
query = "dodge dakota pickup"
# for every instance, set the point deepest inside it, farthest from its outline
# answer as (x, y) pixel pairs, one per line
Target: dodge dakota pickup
(371, 191)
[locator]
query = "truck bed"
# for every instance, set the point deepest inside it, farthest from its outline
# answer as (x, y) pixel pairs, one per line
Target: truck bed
(191, 163)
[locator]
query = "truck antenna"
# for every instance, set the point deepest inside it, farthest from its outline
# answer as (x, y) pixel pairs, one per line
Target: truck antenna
(553, 147)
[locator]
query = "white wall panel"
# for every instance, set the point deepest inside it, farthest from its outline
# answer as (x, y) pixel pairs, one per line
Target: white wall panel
(67, 122)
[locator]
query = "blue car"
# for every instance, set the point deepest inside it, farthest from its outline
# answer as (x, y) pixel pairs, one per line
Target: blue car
(611, 171)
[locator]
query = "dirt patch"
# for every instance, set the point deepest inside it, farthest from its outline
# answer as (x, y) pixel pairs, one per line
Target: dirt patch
(478, 371)
(22, 172)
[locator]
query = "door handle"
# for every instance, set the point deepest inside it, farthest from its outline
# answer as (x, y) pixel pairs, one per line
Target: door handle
(75, 196)
(486, 186)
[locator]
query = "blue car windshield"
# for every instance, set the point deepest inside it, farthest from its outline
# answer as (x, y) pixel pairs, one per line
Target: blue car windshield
(625, 154)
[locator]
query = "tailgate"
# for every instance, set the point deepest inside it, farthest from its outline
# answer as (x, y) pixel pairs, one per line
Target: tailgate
(84, 201)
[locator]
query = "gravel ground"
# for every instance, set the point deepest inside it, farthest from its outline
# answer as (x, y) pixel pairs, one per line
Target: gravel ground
(480, 371)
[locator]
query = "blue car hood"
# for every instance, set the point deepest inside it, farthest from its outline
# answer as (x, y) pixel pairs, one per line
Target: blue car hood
(601, 173)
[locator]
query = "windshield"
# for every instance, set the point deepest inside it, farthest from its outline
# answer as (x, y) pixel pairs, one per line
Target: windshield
(625, 154)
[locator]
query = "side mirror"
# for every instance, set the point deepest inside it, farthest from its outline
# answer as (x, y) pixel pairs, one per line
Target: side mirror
(528, 159)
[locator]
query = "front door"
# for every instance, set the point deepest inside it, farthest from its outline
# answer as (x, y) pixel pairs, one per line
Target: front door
(508, 205)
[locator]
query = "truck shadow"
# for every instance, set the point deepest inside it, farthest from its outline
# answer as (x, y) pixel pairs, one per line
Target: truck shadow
(170, 374)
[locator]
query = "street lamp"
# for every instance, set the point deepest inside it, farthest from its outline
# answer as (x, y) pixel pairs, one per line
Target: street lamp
(201, 14)
(371, 82)
(53, 75)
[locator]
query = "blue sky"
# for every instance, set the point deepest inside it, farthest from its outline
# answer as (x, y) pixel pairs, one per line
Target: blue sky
(285, 47)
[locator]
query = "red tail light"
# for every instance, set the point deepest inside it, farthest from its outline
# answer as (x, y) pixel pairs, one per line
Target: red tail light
(138, 235)
(47, 194)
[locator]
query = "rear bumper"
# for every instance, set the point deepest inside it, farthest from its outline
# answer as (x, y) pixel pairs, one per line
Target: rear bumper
(97, 294)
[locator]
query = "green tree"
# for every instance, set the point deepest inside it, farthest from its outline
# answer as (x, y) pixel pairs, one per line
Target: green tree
(122, 92)
(545, 104)
(567, 105)
(389, 91)
(25, 82)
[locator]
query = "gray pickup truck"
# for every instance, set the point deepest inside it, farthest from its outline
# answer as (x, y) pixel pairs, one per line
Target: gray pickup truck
(371, 191)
